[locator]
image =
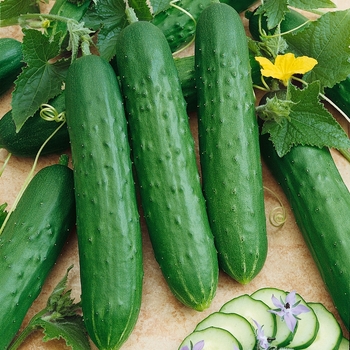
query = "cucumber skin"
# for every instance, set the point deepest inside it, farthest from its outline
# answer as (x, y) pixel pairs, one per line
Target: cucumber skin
(320, 202)
(164, 158)
(10, 62)
(108, 228)
(229, 143)
(31, 243)
(34, 132)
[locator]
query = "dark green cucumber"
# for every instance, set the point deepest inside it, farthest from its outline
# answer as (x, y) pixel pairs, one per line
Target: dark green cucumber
(340, 95)
(34, 132)
(31, 243)
(10, 62)
(108, 228)
(229, 143)
(165, 163)
(179, 28)
(320, 202)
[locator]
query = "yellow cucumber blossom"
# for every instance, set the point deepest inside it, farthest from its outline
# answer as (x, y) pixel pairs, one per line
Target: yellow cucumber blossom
(285, 66)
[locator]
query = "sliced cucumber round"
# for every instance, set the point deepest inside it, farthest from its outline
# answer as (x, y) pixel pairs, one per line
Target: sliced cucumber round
(214, 339)
(237, 325)
(329, 335)
(283, 335)
(307, 328)
(344, 344)
(252, 309)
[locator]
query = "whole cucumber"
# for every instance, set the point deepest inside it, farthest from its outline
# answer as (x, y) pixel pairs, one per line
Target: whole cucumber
(165, 163)
(108, 228)
(31, 242)
(229, 143)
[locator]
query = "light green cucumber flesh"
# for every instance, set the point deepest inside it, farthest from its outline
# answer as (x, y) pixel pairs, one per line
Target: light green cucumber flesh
(344, 344)
(165, 162)
(229, 143)
(252, 309)
(329, 335)
(237, 325)
(108, 228)
(214, 339)
(283, 335)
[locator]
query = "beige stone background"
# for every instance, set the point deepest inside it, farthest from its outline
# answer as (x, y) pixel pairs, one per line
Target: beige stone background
(163, 321)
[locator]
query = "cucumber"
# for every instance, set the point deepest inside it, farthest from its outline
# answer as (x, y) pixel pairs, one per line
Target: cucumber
(10, 62)
(340, 95)
(108, 228)
(344, 344)
(177, 25)
(237, 325)
(214, 339)
(165, 163)
(320, 202)
(31, 242)
(329, 335)
(252, 309)
(283, 335)
(34, 132)
(229, 143)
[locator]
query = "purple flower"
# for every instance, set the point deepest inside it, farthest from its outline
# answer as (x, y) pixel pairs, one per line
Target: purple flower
(289, 310)
(261, 337)
(198, 346)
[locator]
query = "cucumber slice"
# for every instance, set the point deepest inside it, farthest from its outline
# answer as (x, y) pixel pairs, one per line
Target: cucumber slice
(283, 335)
(214, 339)
(329, 335)
(307, 329)
(344, 344)
(237, 325)
(252, 309)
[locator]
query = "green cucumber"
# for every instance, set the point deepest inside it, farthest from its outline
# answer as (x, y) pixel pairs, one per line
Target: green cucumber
(344, 344)
(165, 163)
(229, 143)
(108, 228)
(236, 324)
(31, 242)
(10, 62)
(320, 201)
(214, 339)
(179, 27)
(252, 310)
(329, 335)
(34, 132)
(283, 335)
(340, 95)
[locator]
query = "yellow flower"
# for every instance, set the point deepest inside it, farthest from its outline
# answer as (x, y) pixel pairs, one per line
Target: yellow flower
(285, 66)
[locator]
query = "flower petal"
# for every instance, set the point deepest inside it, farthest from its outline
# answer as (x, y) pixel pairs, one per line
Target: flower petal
(290, 298)
(291, 321)
(304, 64)
(277, 302)
(199, 345)
(300, 309)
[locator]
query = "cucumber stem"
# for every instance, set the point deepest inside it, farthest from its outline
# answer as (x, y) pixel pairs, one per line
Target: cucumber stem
(5, 163)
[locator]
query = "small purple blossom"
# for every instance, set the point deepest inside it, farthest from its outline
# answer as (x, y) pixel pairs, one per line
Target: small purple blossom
(198, 346)
(289, 310)
(263, 342)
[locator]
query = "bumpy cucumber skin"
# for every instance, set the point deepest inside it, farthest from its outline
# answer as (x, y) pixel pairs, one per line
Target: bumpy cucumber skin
(229, 143)
(34, 132)
(321, 203)
(31, 243)
(10, 62)
(108, 228)
(164, 158)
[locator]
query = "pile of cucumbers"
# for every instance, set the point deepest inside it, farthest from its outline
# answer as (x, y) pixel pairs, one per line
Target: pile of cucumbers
(129, 134)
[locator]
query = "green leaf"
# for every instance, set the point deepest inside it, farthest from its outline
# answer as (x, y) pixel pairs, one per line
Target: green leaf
(312, 4)
(142, 9)
(159, 5)
(3, 213)
(42, 77)
(327, 40)
(11, 9)
(110, 17)
(71, 329)
(309, 123)
(274, 10)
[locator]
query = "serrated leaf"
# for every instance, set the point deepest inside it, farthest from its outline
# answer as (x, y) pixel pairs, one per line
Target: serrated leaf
(110, 17)
(142, 9)
(309, 123)
(327, 40)
(159, 5)
(274, 10)
(71, 329)
(41, 79)
(312, 4)
(11, 9)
